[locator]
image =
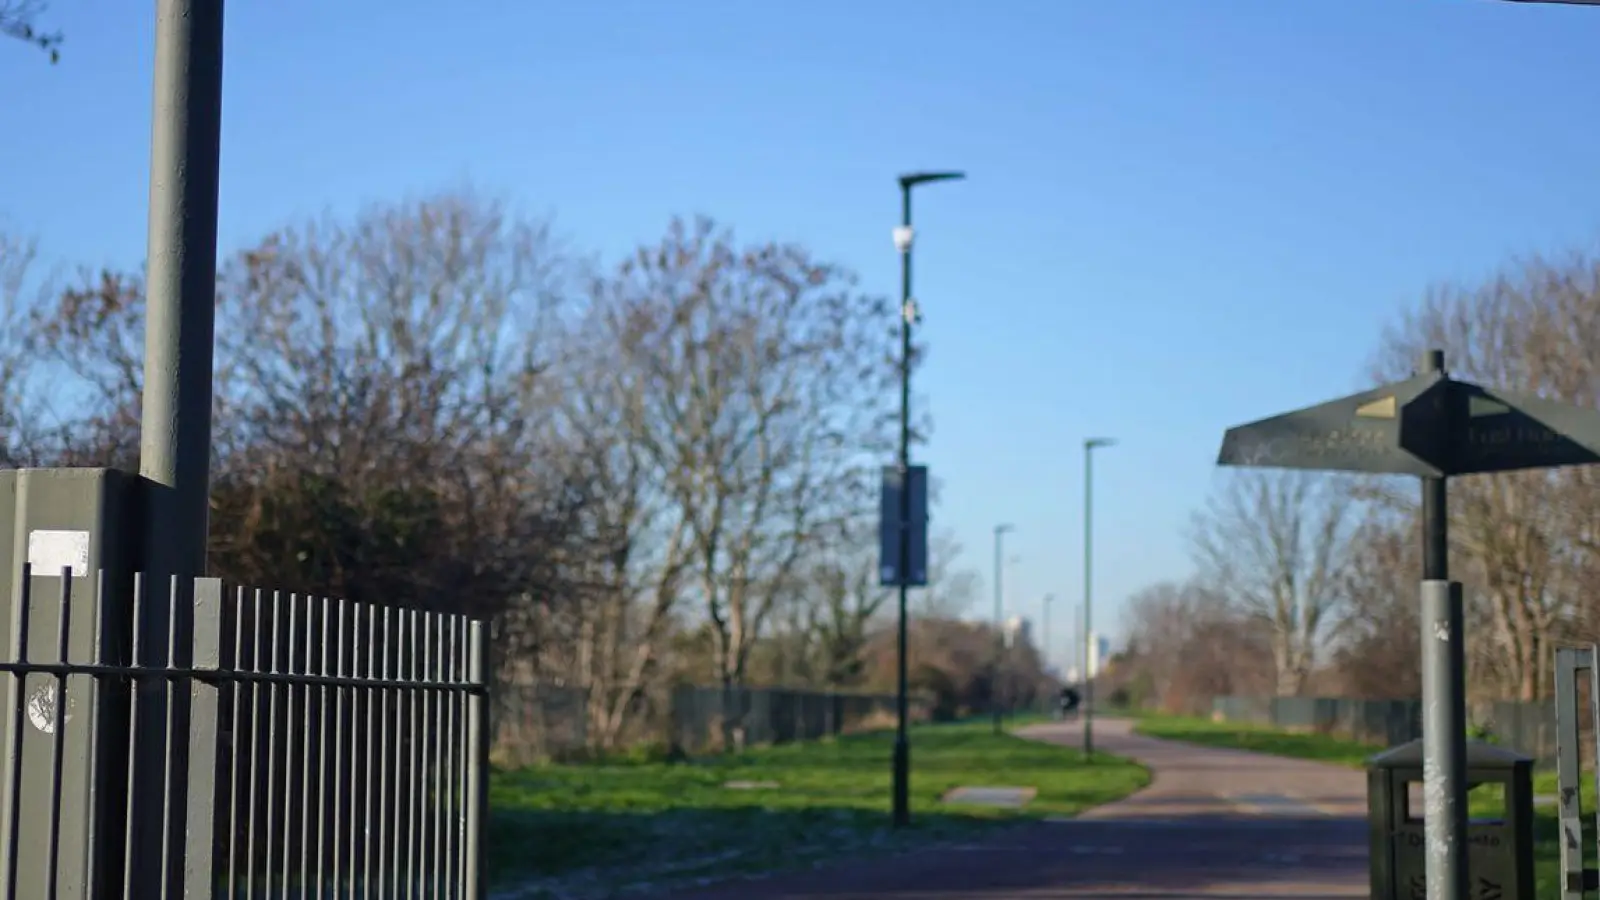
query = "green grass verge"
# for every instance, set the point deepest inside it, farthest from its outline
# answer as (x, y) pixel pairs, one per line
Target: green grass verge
(1336, 751)
(1256, 738)
(574, 831)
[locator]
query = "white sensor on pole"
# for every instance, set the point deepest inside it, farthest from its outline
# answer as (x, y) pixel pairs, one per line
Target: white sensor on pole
(902, 238)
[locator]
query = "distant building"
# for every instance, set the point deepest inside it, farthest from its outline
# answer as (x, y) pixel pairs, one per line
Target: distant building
(1099, 653)
(1017, 631)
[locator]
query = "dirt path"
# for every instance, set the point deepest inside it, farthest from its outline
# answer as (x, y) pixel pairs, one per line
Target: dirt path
(1212, 824)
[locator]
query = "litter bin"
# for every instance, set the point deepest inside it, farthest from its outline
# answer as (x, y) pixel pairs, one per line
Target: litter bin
(1499, 836)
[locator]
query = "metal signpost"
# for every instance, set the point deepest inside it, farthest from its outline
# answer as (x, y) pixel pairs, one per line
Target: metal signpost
(1433, 427)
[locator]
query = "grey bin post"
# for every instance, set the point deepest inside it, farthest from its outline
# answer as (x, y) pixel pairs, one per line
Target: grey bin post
(51, 519)
(1500, 851)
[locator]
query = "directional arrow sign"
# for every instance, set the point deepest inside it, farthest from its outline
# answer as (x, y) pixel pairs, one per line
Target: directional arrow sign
(1501, 431)
(1429, 425)
(1358, 433)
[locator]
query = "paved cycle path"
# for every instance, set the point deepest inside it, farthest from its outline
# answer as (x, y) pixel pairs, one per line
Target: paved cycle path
(1212, 824)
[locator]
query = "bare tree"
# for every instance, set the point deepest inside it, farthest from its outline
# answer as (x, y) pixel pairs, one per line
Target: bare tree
(1275, 544)
(758, 383)
(1377, 654)
(1188, 644)
(844, 603)
(20, 294)
(94, 333)
(1524, 543)
(412, 406)
(825, 630)
(952, 588)
(1160, 621)
(637, 577)
(397, 365)
(952, 662)
(18, 19)
(383, 431)
(841, 603)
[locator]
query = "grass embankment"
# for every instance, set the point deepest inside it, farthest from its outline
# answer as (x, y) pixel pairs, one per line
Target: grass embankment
(1336, 751)
(1258, 739)
(587, 829)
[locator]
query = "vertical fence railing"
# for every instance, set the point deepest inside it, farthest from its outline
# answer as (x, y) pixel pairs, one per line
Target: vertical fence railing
(1573, 666)
(776, 715)
(332, 749)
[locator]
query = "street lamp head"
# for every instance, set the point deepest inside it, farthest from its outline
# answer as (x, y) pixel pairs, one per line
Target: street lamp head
(1002, 529)
(912, 179)
(1092, 443)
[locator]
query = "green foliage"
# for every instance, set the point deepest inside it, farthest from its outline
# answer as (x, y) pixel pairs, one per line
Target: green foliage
(315, 532)
(648, 753)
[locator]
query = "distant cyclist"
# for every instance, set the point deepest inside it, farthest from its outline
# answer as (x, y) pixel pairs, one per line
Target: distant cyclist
(1069, 702)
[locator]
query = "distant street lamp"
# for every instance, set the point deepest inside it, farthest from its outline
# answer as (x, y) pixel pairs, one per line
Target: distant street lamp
(999, 622)
(1044, 634)
(1089, 446)
(908, 317)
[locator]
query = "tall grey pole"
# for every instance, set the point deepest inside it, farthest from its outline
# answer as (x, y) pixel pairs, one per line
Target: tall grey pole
(999, 625)
(1088, 599)
(1444, 717)
(999, 631)
(1077, 637)
(1089, 660)
(1044, 634)
(175, 432)
(185, 147)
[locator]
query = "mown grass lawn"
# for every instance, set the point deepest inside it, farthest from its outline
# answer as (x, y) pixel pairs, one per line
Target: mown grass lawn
(1333, 750)
(586, 830)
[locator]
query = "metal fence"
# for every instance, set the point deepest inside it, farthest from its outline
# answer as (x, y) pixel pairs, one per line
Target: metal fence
(707, 718)
(261, 744)
(541, 722)
(537, 722)
(1526, 727)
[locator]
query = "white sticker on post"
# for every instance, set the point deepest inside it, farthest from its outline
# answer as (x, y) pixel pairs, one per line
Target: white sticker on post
(51, 551)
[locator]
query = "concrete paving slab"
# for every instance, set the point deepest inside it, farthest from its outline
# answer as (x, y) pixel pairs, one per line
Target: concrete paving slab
(1003, 797)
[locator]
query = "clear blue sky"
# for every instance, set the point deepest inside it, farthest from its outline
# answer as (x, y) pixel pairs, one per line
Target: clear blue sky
(1181, 214)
